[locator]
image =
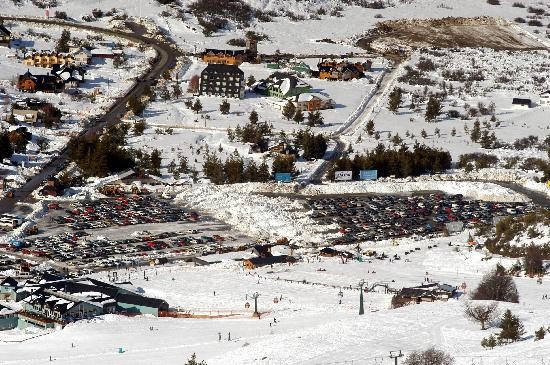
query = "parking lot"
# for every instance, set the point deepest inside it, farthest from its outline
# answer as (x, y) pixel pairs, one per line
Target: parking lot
(122, 211)
(114, 233)
(381, 217)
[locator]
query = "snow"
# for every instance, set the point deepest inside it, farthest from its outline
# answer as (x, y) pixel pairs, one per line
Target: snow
(311, 326)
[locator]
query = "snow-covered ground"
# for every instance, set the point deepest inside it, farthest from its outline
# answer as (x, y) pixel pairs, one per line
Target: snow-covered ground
(101, 77)
(311, 327)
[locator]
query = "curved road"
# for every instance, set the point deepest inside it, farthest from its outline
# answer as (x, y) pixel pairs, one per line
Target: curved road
(165, 59)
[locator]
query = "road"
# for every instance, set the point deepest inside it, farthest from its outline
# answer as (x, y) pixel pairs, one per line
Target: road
(341, 144)
(166, 58)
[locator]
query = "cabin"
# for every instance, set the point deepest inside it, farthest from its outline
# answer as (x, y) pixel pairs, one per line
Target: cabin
(47, 59)
(9, 289)
(424, 293)
(33, 83)
(5, 36)
(340, 71)
(312, 102)
(56, 305)
(81, 56)
(70, 75)
(137, 304)
(222, 80)
(232, 57)
(25, 115)
(104, 53)
(8, 318)
(521, 103)
(224, 56)
(301, 69)
(282, 85)
(256, 262)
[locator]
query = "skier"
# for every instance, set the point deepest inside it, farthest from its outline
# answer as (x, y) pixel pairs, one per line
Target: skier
(228, 336)
(219, 336)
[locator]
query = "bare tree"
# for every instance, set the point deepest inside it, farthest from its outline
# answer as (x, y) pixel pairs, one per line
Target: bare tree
(430, 356)
(497, 285)
(482, 313)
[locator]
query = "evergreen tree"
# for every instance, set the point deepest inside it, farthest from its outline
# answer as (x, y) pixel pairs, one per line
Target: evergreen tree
(156, 161)
(193, 361)
(289, 110)
(183, 166)
(234, 169)
(63, 42)
(119, 61)
(172, 167)
(253, 117)
(250, 81)
(314, 118)
(433, 109)
(489, 342)
(263, 172)
(225, 107)
(298, 116)
(370, 128)
(6, 150)
(213, 169)
(396, 97)
(139, 127)
(283, 163)
(512, 328)
(197, 106)
(176, 91)
(251, 172)
(164, 94)
(476, 132)
(539, 334)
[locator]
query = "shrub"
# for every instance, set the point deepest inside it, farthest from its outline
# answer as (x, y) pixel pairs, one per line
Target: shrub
(430, 356)
(534, 23)
(493, 2)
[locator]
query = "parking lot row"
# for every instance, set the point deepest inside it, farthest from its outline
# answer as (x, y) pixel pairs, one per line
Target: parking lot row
(380, 217)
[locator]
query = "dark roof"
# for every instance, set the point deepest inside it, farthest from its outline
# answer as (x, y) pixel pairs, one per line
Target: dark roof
(221, 68)
(9, 281)
(262, 261)
(142, 301)
(521, 101)
(329, 251)
(263, 250)
(4, 30)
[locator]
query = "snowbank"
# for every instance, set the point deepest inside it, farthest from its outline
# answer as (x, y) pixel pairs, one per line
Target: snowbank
(473, 190)
(258, 215)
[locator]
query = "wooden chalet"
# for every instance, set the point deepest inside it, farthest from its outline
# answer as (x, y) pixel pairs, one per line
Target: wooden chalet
(45, 83)
(340, 71)
(255, 262)
(423, 293)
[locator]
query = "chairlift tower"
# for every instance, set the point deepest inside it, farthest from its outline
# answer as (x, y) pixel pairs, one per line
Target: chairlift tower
(396, 355)
(361, 306)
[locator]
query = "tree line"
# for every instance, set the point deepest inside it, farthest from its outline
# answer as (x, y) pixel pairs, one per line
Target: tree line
(105, 154)
(401, 162)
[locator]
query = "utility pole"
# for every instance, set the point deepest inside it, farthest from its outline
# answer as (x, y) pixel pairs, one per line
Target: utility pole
(361, 306)
(395, 355)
